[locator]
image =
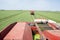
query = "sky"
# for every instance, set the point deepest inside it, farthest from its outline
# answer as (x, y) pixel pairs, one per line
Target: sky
(52, 5)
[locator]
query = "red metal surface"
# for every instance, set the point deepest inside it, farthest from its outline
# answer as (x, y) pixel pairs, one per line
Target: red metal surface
(21, 31)
(52, 34)
(28, 33)
(52, 25)
(6, 30)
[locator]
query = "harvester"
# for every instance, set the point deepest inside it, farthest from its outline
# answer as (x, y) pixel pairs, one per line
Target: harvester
(23, 31)
(47, 30)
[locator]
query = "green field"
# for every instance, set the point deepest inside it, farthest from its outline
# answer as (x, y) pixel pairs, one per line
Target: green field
(9, 16)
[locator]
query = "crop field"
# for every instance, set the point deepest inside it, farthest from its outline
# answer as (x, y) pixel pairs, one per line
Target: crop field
(9, 16)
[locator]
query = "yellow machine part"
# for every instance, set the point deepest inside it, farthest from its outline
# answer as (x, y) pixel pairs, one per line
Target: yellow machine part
(37, 36)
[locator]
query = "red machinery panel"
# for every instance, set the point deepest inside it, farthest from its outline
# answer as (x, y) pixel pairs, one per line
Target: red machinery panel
(21, 31)
(52, 25)
(52, 34)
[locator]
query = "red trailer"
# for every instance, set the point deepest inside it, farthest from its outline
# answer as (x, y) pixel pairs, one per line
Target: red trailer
(52, 34)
